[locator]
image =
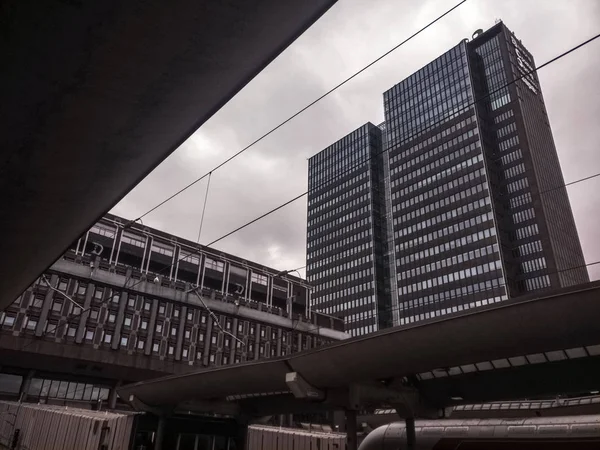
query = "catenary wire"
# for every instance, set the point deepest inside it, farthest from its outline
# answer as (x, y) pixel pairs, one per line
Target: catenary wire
(374, 155)
(364, 161)
(204, 208)
(354, 167)
(296, 114)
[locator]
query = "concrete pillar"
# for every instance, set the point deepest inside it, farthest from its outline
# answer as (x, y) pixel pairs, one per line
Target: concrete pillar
(160, 433)
(411, 437)
(351, 439)
(112, 395)
(25, 384)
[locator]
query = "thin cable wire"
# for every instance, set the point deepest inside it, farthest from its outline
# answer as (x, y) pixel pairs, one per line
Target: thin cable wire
(60, 292)
(293, 116)
(354, 167)
(204, 208)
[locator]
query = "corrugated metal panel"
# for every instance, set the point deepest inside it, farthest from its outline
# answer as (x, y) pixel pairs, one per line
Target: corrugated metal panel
(49, 427)
(273, 438)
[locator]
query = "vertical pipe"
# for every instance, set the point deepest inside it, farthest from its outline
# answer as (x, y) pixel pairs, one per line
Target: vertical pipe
(411, 437)
(351, 429)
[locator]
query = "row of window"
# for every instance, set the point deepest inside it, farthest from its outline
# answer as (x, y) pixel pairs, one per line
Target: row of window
(449, 262)
(447, 246)
(528, 248)
(349, 265)
(402, 155)
(505, 115)
(337, 237)
(352, 192)
(441, 218)
(346, 217)
(507, 129)
(442, 203)
(420, 171)
(532, 284)
(458, 293)
(339, 187)
(344, 279)
(533, 265)
(524, 215)
(508, 143)
(435, 192)
(516, 155)
(442, 232)
(514, 171)
(519, 185)
(528, 231)
(520, 200)
(361, 236)
(339, 230)
(333, 213)
(364, 289)
(350, 304)
(334, 267)
(452, 277)
(440, 175)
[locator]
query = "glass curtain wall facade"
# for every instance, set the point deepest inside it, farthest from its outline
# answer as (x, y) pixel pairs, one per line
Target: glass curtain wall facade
(470, 193)
(345, 226)
(447, 256)
(540, 244)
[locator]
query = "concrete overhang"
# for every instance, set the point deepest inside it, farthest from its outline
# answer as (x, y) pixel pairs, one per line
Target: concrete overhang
(95, 94)
(560, 320)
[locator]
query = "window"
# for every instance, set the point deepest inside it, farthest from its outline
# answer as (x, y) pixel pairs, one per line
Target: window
(57, 306)
(71, 331)
(259, 279)
(228, 324)
(81, 288)
(124, 340)
(188, 333)
(200, 337)
(159, 327)
(147, 306)
(31, 324)
(144, 324)
(140, 344)
(62, 286)
(37, 302)
(213, 339)
(240, 328)
(214, 265)
(161, 309)
(212, 358)
(176, 312)
(94, 313)
(190, 316)
(171, 349)
(173, 331)
(107, 337)
(89, 334)
(262, 332)
(98, 293)
(199, 355)
(203, 320)
(127, 321)
(131, 302)
(51, 327)
(111, 317)
(184, 353)
(116, 297)
(155, 347)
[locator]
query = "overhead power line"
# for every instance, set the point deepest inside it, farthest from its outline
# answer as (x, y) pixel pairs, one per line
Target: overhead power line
(296, 114)
(362, 162)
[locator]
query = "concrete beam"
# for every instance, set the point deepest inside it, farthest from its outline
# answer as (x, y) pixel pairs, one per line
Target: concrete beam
(155, 290)
(301, 388)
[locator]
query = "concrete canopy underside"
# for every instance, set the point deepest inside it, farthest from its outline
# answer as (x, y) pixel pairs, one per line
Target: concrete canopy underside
(566, 319)
(96, 94)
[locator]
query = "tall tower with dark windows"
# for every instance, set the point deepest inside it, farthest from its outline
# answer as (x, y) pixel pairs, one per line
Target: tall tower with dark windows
(345, 226)
(471, 193)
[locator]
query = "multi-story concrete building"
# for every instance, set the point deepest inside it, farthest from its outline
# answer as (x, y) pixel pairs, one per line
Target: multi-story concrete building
(345, 227)
(126, 303)
(475, 203)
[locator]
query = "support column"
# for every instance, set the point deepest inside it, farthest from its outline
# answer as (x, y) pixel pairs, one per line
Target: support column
(241, 436)
(411, 437)
(160, 433)
(351, 429)
(25, 384)
(112, 395)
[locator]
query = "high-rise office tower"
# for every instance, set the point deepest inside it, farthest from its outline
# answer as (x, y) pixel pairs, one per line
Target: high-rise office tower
(474, 200)
(345, 226)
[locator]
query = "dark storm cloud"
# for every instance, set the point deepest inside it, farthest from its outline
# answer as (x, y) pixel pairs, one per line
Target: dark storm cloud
(348, 37)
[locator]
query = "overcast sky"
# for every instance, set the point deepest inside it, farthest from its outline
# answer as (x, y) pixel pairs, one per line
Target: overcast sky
(349, 36)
